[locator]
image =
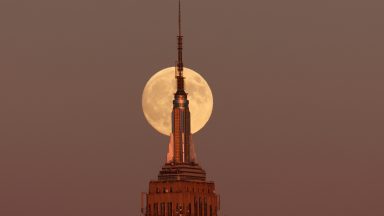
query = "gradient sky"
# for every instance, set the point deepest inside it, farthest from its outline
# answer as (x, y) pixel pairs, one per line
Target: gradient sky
(298, 120)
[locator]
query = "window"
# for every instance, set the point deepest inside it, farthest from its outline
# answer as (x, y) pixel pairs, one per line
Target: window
(149, 210)
(163, 211)
(155, 209)
(169, 209)
(205, 208)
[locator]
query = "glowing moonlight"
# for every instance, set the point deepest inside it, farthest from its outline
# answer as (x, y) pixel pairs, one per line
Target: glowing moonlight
(158, 96)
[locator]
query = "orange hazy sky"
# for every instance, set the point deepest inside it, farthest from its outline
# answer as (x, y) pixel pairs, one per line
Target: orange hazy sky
(297, 126)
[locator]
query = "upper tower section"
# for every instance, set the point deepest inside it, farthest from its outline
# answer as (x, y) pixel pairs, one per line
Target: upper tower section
(180, 65)
(181, 119)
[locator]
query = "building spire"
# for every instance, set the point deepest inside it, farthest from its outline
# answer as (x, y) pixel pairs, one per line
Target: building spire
(179, 18)
(180, 65)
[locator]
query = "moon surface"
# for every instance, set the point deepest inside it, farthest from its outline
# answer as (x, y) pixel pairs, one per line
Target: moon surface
(158, 94)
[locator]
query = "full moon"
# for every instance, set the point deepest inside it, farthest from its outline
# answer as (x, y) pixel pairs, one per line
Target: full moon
(157, 99)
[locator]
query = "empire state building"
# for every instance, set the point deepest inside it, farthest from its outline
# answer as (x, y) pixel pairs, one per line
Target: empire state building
(181, 187)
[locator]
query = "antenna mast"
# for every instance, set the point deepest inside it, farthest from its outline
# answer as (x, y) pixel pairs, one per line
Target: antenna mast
(180, 46)
(180, 65)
